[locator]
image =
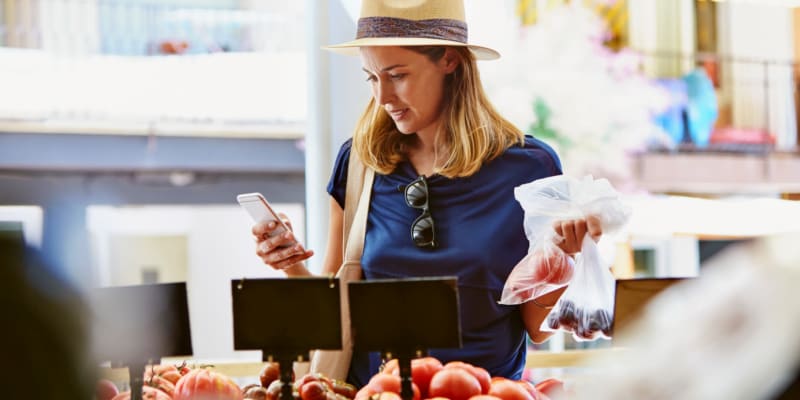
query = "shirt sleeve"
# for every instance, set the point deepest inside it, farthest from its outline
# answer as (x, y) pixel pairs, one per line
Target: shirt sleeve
(337, 185)
(544, 154)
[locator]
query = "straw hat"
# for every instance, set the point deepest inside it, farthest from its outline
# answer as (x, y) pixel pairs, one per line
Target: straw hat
(412, 23)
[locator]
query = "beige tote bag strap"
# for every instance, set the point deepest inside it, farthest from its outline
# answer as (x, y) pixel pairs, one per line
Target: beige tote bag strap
(336, 363)
(355, 242)
(355, 181)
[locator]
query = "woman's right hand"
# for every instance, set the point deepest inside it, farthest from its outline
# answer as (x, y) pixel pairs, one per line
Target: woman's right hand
(281, 252)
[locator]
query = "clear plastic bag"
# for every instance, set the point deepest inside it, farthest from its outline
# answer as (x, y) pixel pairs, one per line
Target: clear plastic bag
(546, 267)
(586, 307)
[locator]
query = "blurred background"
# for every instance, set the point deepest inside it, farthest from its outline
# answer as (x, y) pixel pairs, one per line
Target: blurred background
(128, 127)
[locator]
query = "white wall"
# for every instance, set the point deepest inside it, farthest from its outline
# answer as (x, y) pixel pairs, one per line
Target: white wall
(31, 218)
(761, 32)
(220, 248)
(666, 28)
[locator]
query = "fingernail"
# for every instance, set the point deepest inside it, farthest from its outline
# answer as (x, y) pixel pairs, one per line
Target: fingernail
(287, 235)
(272, 224)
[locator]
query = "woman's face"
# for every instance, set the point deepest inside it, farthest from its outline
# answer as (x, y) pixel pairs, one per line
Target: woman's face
(407, 85)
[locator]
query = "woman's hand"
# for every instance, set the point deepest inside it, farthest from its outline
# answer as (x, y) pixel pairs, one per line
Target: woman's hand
(281, 252)
(573, 231)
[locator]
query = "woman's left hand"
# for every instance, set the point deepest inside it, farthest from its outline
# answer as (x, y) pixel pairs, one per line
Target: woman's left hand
(573, 231)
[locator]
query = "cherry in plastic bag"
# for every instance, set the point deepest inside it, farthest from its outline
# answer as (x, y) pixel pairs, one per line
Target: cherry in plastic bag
(585, 309)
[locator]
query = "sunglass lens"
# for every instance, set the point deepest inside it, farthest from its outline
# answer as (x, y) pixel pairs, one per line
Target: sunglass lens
(422, 230)
(416, 195)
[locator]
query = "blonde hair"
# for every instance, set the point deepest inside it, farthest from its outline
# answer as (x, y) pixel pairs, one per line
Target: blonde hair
(474, 132)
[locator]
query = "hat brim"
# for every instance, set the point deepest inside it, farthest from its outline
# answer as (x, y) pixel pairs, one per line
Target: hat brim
(351, 48)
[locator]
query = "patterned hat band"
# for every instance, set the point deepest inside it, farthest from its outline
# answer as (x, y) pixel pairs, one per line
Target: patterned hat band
(388, 27)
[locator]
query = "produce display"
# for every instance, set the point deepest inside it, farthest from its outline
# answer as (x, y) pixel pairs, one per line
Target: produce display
(431, 379)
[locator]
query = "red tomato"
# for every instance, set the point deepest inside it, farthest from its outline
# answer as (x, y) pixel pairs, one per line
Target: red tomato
(386, 396)
(274, 390)
(557, 268)
(552, 388)
(479, 373)
(203, 382)
(455, 383)
(162, 384)
(313, 390)
(255, 392)
(148, 393)
(343, 388)
(391, 367)
(484, 397)
(105, 390)
(389, 383)
(530, 389)
(422, 371)
(270, 372)
(509, 390)
(168, 372)
(365, 393)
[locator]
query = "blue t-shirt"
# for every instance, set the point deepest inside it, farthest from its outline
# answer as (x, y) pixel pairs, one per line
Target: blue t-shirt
(480, 237)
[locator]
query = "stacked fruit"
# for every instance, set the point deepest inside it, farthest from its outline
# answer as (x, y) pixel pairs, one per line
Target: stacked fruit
(455, 380)
(431, 380)
(308, 387)
(176, 382)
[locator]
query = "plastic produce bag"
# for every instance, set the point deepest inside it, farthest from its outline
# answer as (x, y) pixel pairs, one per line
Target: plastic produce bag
(586, 307)
(546, 268)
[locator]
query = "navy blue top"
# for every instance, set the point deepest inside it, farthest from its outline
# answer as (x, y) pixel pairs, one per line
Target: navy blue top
(480, 237)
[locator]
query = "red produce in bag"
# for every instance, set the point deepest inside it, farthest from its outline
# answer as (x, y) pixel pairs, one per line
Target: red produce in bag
(544, 269)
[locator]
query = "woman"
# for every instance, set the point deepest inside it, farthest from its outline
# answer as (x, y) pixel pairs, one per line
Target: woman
(446, 167)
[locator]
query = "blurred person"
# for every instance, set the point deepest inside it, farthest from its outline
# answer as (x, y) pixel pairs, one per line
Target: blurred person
(730, 333)
(44, 328)
(446, 164)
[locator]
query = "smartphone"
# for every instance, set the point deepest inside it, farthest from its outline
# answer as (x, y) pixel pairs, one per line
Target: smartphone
(259, 210)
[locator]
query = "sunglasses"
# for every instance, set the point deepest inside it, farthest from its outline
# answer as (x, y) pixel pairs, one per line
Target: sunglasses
(422, 231)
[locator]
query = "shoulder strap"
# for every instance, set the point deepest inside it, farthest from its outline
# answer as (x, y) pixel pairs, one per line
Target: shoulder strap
(356, 208)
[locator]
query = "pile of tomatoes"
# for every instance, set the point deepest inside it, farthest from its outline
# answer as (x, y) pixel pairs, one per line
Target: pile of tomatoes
(308, 387)
(431, 380)
(454, 381)
(175, 382)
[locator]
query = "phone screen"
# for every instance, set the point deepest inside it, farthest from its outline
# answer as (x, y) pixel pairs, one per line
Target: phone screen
(260, 211)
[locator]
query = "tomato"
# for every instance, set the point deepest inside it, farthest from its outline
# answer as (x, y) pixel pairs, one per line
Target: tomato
(313, 390)
(509, 390)
(148, 393)
(203, 382)
(455, 383)
(270, 372)
(484, 397)
(530, 389)
(343, 388)
(162, 384)
(556, 268)
(254, 392)
(104, 389)
(422, 371)
(168, 372)
(479, 373)
(382, 382)
(552, 388)
(387, 396)
(391, 367)
(274, 390)
(365, 393)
